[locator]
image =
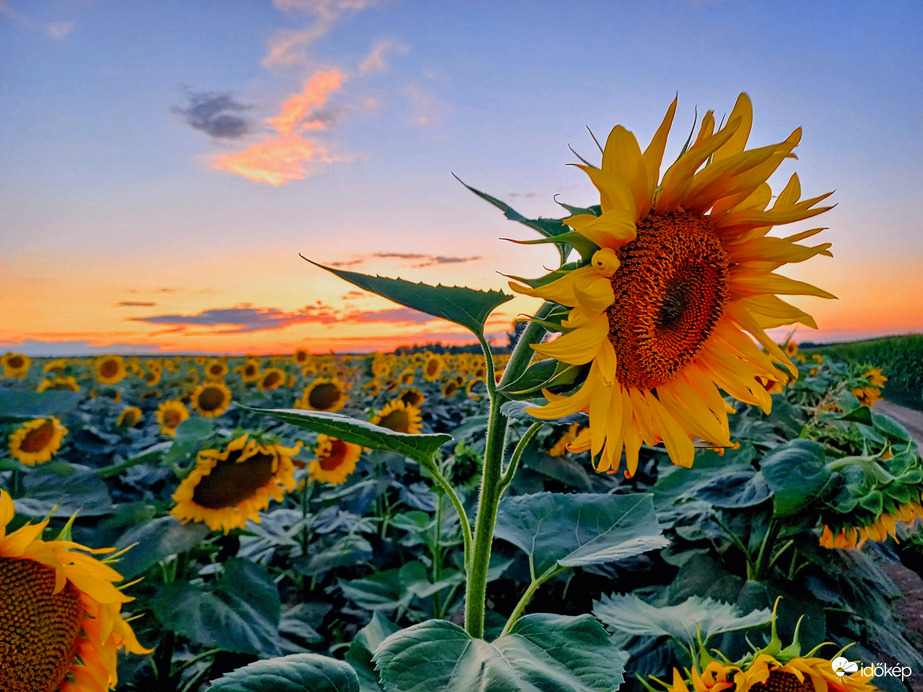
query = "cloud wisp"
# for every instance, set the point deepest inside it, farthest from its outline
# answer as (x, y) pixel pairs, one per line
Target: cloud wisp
(216, 114)
(423, 260)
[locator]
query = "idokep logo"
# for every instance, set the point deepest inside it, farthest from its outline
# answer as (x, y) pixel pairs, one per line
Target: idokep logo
(842, 666)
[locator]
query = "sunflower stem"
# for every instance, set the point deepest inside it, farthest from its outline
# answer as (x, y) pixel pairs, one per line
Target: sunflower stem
(527, 596)
(517, 455)
(110, 471)
(762, 559)
(491, 479)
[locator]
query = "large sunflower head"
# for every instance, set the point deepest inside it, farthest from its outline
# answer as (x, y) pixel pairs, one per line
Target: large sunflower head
(15, 365)
(110, 369)
(271, 378)
(399, 417)
(170, 414)
(335, 461)
(227, 487)
(60, 616)
(37, 441)
(323, 394)
(211, 399)
(129, 417)
(677, 274)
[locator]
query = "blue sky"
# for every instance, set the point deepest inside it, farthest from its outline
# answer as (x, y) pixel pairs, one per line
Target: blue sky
(114, 118)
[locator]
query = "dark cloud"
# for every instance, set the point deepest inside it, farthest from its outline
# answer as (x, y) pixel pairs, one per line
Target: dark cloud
(134, 304)
(245, 318)
(215, 114)
(427, 260)
(346, 263)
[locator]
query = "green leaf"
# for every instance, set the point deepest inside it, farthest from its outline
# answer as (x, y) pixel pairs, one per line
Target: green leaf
(295, 673)
(579, 529)
(890, 427)
(156, 540)
(586, 247)
(746, 488)
(467, 307)
(796, 473)
(363, 648)
(65, 489)
(18, 406)
(543, 652)
(241, 613)
(382, 591)
(540, 375)
(628, 613)
(420, 448)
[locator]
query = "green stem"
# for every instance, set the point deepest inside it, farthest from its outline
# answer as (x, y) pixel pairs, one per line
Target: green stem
(527, 596)
(491, 479)
(110, 471)
(459, 507)
(762, 558)
(517, 455)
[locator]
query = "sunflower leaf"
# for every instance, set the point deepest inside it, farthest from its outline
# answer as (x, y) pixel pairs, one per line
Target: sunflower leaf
(16, 406)
(467, 307)
(628, 613)
(541, 652)
(579, 529)
(583, 245)
(294, 673)
(420, 448)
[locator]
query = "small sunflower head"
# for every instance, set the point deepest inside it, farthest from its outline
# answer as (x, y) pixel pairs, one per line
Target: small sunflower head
(110, 369)
(324, 394)
(15, 365)
(211, 399)
(335, 460)
(399, 417)
(37, 441)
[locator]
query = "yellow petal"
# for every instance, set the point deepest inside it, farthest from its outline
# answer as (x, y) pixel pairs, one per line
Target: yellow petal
(614, 192)
(653, 155)
(622, 157)
(743, 109)
(611, 229)
(579, 346)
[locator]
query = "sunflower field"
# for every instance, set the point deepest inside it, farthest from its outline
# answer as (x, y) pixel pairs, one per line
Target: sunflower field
(660, 498)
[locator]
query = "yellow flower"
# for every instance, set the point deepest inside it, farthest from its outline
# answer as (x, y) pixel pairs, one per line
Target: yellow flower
(432, 366)
(336, 460)
(412, 397)
(685, 269)
(323, 394)
(58, 383)
(849, 537)
(60, 616)
(226, 488)
(170, 414)
(216, 369)
(37, 441)
(449, 389)
(867, 396)
(875, 378)
(249, 371)
(211, 399)
(271, 378)
(399, 417)
(129, 417)
(110, 369)
(791, 349)
(300, 357)
(55, 367)
(15, 365)
(561, 445)
(152, 377)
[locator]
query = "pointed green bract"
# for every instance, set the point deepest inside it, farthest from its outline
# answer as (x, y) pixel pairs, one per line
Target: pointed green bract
(467, 307)
(420, 448)
(554, 653)
(295, 673)
(580, 529)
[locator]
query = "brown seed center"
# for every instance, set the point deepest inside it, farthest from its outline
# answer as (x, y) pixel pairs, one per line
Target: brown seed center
(780, 681)
(231, 481)
(211, 399)
(39, 629)
(335, 458)
(397, 420)
(670, 290)
(36, 440)
(109, 368)
(324, 396)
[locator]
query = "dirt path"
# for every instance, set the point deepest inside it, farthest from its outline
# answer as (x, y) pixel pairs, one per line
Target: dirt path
(908, 417)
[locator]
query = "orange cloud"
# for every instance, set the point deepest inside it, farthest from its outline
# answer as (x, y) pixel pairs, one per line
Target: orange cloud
(274, 161)
(300, 106)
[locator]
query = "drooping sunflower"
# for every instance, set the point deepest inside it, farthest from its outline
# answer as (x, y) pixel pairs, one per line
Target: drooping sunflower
(129, 417)
(37, 441)
(228, 487)
(664, 310)
(60, 615)
(58, 383)
(211, 399)
(271, 378)
(15, 365)
(170, 414)
(399, 417)
(216, 369)
(110, 369)
(335, 461)
(323, 394)
(884, 525)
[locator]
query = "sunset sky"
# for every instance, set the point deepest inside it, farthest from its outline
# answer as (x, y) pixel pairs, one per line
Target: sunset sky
(164, 163)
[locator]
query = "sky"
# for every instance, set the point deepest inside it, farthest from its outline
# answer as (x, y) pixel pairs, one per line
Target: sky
(165, 163)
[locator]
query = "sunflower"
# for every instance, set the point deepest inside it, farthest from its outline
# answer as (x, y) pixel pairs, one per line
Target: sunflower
(560, 445)
(216, 369)
(211, 399)
(228, 487)
(60, 616)
(271, 378)
(412, 397)
(110, 369)
(449, 389)
(469, 388)
(37, 441)
(867, 396)
(249, 371)
(129, 417)
(58, 384)
(15, 365)
(323, 394)
(152, 377)
(399, 417)
(56, 367)
(660, 312)
(335, 461)
(878, 530)
(170, 414)
(432, 367)
(301, 357)
(875, 378)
